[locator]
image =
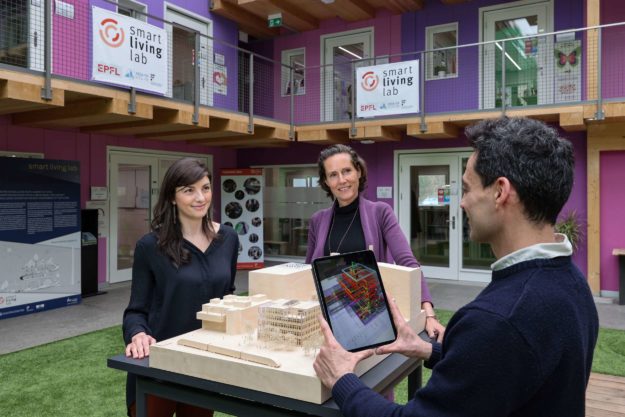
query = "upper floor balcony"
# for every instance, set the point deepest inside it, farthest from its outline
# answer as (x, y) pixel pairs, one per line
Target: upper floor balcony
(213, 92)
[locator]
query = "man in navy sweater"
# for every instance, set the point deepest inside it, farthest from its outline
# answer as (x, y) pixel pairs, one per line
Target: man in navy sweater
(524, 346)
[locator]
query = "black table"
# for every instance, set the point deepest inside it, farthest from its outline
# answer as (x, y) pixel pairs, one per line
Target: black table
(246, 402)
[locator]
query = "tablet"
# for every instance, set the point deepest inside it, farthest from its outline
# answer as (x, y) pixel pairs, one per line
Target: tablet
(353, 300)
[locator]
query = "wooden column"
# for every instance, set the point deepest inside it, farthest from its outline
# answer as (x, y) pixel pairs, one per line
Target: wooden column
(600, 138)
(593, 18)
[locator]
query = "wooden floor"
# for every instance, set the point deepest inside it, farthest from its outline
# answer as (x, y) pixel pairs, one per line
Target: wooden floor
(605, 396)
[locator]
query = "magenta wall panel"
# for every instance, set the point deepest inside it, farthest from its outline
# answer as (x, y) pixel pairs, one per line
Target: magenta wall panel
(71, 53)
(612, 219)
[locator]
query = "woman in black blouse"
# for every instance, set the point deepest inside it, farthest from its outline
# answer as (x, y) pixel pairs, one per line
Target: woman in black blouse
(185, 261)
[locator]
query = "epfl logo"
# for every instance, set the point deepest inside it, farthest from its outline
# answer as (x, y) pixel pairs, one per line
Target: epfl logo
(369, 81)
(110, 34)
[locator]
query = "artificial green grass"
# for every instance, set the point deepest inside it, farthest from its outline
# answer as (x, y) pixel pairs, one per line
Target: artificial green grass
(70, 377)
(65, 378)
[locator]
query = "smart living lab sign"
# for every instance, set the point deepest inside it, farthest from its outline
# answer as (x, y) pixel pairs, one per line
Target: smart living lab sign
(387, 89)
(128, 52)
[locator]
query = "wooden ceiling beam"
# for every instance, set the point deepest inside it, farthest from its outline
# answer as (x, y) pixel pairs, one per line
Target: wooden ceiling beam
(435, 130)
(248, 22)
(17, 96)
(380, 133)
(353, 10)
(410, 5)
(218, 128)
(323, 136)
(81, 113)
(164, 120)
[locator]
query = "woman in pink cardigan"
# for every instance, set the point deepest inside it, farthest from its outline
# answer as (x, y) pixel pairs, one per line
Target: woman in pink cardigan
(355, 223)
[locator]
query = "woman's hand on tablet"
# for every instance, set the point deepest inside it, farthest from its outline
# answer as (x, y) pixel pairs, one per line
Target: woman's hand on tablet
(333, 361)
(408, 343)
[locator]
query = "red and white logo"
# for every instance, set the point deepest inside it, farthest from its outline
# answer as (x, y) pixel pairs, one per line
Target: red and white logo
(110, 33)
(369, 81)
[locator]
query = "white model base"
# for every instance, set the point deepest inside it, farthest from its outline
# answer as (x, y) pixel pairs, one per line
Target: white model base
(294, 378)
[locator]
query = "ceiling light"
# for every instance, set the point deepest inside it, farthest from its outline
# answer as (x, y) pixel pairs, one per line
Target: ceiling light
(327, 1)
(351, 53)
(508, 56)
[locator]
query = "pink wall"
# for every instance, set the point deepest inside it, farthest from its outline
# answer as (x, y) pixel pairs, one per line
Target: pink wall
(71, 42)
(613, 48)
(90, 150)
(612, 220)
(387, 40)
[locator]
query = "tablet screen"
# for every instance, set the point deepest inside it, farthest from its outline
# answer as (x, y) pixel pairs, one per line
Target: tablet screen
(353, 300)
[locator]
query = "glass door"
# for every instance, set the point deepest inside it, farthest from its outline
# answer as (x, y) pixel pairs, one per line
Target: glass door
(476, 257)
(338, 73)
(183, 57)
(134, 183)
(131, 182)
(429, 213)
(528, 62)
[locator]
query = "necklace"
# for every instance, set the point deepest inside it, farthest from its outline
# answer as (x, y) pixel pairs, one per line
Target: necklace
(344, 234)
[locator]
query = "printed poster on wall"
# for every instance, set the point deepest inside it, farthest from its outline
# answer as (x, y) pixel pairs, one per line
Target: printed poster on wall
(128, 52)
(387, 89)
(242, 209)
(568, 74)
(39, 235)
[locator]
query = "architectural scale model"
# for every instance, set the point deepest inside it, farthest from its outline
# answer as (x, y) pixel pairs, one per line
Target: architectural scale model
(292, 321)
(233, 314)
(266, 341)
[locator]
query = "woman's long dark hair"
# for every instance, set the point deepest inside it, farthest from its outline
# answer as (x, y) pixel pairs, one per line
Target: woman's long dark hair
(185, 171)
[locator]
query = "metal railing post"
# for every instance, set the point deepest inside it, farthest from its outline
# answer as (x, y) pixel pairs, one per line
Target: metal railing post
(352, 130)
(292, 105)
(132, 104)
(196, 81)
(46, 90)
(250, 125)
(423, 127)
(503, 78)
(599, 115)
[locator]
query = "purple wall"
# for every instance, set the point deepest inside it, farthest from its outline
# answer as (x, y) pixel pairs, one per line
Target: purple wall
(577, 199)
(90, 150)
(612, 219)
(72, 41)
(613, 48)
(462, 93)
(387, 40)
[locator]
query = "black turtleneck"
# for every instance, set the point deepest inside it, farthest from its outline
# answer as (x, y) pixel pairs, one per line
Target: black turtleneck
(351, 238)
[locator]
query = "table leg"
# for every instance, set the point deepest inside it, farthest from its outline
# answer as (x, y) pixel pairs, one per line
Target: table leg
(141, 398)
(415, 379)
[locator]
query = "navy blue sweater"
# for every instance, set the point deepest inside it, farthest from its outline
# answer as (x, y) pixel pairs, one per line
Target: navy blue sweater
(164, 299)
(523, 347)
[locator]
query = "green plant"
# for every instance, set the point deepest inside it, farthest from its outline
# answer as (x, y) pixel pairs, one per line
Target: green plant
(571, 225)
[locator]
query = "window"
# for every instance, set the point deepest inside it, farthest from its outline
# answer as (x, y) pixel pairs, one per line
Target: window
(444, 63)
(130, 7)
(292, 196)
(296, 59)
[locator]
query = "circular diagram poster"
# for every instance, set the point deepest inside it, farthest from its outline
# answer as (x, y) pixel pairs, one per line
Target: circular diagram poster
(242, 209)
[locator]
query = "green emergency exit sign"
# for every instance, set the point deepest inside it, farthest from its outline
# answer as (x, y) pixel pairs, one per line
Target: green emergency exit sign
(275, 20)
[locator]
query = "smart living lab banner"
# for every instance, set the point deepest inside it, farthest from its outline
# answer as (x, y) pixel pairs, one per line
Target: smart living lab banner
(242, 209)
(39, 235)
(128, 52)
(388, 89)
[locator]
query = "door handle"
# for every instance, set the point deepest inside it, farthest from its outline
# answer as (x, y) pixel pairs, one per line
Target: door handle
(453, 222)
